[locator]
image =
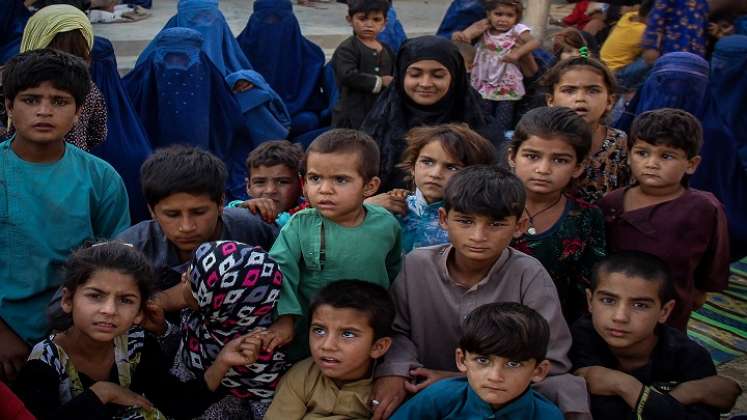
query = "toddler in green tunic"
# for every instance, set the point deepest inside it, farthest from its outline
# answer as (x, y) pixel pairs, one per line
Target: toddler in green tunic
(338, 238)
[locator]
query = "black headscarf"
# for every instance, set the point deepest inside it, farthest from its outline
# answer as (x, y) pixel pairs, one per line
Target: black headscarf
(395, 113)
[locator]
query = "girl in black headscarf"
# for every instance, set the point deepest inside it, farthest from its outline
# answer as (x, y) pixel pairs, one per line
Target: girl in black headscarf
(431, 86)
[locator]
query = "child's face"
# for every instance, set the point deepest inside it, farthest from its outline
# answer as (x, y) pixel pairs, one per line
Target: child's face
(498, 380)
(106, 306)
(659, 166)
(545, 166)
(569, 53)
(279, 183)
(625, 310)
(503, 18)
(342, 343)
(187, 220)
(426, 82)
(479, 238)
(367, 25)
(433, 168)
(43, 114)
(335, 187)
(584, 91)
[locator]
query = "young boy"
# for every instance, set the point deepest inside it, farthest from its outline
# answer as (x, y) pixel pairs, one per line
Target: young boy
(53, 196)
(363, 66)
(274, 186)
(351, 326)
(501, 352)
(482, 212)
(635, 364)
(660, 215)
(338, 238)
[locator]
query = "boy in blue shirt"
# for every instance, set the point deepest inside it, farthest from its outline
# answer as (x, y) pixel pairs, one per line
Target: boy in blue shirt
(501, 352)
(53, 196)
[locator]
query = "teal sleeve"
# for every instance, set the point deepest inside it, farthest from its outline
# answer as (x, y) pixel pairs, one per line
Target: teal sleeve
(287, 253)
(113, 211)
(426, 404)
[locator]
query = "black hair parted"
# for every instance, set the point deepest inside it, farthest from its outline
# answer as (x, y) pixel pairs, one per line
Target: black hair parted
(276, 152)
(111, 255)
(369, 298)
(485, 190)
(28, 70)
(368, 6)
(182, 169)
(506, 329)
(554, 122)
(636, 264)
(517, 5)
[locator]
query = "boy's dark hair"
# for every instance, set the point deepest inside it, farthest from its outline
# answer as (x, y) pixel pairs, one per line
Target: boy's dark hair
(485, 190)
(554, 122)
(182, 169)
(668, 127)
(276, 152)
(553, 76)
(491, 5)
(345, 140)
(115, 256)
(636, 264)
(506, 329)
(459, 141)
(368, 6)
(645, 8)
(369, 298)
(28, 70)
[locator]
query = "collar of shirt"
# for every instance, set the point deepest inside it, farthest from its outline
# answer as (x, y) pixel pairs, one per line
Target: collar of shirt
(421, 207)
(520, 407)
(446, 277)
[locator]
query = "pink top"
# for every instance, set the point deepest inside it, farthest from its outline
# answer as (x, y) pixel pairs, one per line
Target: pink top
(493, 78)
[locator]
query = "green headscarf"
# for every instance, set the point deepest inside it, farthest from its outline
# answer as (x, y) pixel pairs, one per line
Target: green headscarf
(45, 24)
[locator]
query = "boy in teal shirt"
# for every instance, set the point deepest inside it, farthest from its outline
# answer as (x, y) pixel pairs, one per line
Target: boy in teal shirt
(53, 196)
(338, 238)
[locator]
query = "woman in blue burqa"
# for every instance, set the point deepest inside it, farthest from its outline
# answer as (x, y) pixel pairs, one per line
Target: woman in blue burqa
(13, 18)
(182, 98)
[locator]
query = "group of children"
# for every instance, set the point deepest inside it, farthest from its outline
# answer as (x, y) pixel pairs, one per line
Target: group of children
(549, 276)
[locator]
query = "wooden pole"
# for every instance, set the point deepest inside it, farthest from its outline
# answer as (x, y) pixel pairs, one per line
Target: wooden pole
(535, 16)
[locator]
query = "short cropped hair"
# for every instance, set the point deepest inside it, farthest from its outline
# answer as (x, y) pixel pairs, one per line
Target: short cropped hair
(485, 190)
(517, 5)
(506, 329)
(368, 298)
(28, 70)
(368, 6)
(345, 140)
(668, 127)
(459, 141)
(551, 123)
(182, 169)
(636, 264)
(276, 152)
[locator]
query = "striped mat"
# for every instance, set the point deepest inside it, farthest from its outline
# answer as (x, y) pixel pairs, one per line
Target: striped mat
(721, 324)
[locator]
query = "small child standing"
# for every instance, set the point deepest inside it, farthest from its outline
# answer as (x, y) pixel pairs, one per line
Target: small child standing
(501, 352)
(660, 215)
(496, 73)
(363, 66)
(351, 327)
(547, 153)
(586, 86)
(338, 238)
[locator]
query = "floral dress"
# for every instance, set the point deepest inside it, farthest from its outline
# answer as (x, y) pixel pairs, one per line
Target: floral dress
(568, 251)
(607, 169)
(493, 78)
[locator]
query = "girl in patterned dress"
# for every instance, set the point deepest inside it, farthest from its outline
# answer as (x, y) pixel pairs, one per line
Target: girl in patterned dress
(104, 366)
(503, 42)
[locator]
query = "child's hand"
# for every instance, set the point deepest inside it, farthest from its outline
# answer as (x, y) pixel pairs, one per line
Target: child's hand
(394, 201)
(266, 208)
(387, 395)
(241, 351)
(429, 377)
(476, 29)
(459, 36)
(13, 353)
(511, 57)
(279, 334)
(386, 80)
(154, 317)
(603, 381)
(111, 393)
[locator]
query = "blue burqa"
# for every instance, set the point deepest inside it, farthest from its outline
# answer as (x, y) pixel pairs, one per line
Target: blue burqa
(182, 98)
(126, 146)
(219, 43)
(393, 34)
(459, 15)
(13, 18)
(289, 62)
(264, 112)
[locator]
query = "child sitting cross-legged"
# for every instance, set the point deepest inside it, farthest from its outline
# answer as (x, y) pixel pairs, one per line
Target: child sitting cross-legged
(501, 352)
(482, 213)
(351, 327)
(635, 365)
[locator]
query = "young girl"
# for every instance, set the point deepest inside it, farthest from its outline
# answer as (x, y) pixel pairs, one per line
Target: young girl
(102, 367)
(566, 234)
(503, 42)
(586, 86)
(433, 155)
